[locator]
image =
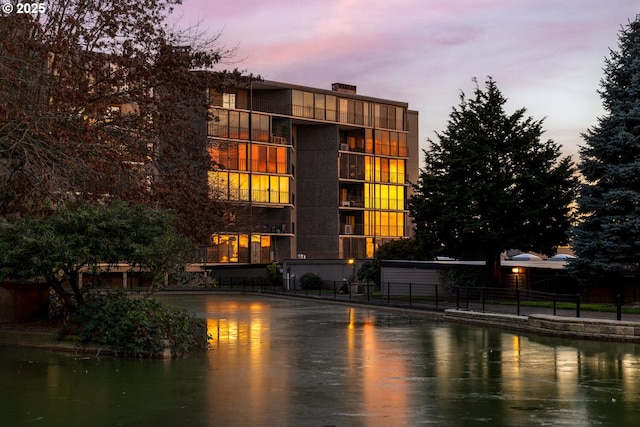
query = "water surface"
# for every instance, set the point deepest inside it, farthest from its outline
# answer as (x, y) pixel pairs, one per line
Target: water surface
(284, 362)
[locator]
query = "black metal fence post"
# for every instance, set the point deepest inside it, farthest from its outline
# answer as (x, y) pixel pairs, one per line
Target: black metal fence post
(436, 285)
(618, 307)
(518, 301)
(554, 304)
(484, 294)
(457, 297)
(577, 305)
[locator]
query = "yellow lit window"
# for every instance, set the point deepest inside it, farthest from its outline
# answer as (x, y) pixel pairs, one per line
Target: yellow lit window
(368, 166)
(284, 189)
(393, 197)
(234, 186)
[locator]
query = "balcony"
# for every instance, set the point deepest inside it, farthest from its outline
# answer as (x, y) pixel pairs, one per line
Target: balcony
(350, 229)
(273, 228)
(352, 202)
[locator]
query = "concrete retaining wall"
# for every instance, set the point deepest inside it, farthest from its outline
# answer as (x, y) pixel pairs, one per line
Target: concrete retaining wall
(560, 326)
(600, 328)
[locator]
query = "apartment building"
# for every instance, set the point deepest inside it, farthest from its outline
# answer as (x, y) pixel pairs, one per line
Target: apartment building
(309, 173)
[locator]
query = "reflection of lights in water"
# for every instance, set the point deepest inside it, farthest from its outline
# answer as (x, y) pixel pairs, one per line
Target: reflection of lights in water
(240, 339)
(371, 357)
(237, 327)
(352, 318)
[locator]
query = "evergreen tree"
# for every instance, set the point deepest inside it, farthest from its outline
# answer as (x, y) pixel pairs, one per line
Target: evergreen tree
(491, 185)
(607, 239)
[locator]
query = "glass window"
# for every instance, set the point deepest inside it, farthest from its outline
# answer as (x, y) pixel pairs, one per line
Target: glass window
(259, 158)
(393, 170)
(358, 113)
(274, 189)
(393, 197)
(370, 248)
(259, 188)
(284, 189)
(229, 100)
(218, 184)
(385, 146)
(384, 197)
(244, 187)
(319, 112)
(366, 120)
(368, 168)
(234, 124)
(382, 116)
(219, 124)
(260, 127)
(297, 99)
(402, 145)
(331, 107)
(303, 103)
(368, 136)
(242, 157)
(391, 117)
(282, 160)
(384, 170)
(234, 186)
(272, 160)
(393, 143)
(400, 165)
(308, 105)
(243, 126)
(343, 110)
(399, 125)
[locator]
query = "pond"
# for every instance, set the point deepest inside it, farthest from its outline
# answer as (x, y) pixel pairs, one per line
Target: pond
(289, 362)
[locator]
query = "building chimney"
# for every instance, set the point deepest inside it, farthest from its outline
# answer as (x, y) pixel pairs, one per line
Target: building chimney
(343, 88)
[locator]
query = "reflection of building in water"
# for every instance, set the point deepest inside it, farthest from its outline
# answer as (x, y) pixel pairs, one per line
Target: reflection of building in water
(241, 343)
(371, 356)
(492, 365)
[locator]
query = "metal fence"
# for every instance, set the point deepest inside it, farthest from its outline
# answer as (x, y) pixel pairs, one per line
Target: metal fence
(511, 300)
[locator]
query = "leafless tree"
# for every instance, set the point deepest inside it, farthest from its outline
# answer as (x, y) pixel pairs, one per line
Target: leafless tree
(103, 100)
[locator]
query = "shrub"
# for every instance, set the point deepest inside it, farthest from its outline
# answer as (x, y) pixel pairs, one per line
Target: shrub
(310, 281)
(136, 327)
(273, 274)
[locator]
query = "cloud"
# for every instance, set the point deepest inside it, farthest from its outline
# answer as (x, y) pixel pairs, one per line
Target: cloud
(545, 55)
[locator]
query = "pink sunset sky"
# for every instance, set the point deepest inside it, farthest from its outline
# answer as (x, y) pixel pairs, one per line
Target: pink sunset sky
(545, 55)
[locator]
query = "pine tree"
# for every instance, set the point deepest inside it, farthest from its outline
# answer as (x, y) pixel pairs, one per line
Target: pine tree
(607, 239)
(491, 184)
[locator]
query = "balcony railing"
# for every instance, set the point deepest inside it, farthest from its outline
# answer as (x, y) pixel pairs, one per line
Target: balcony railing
(352, 202)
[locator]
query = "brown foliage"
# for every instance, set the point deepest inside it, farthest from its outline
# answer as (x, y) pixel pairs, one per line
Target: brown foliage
(97, 102)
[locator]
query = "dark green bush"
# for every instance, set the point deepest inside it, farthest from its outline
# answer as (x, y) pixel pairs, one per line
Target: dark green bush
(273, 274)
(310, 281)
(136, 327)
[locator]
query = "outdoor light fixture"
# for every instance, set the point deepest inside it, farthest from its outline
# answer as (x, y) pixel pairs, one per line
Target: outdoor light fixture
(515, 270)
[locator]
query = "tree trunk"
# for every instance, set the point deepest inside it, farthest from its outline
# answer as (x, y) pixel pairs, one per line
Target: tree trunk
(68, 302)
(75, 286)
